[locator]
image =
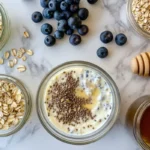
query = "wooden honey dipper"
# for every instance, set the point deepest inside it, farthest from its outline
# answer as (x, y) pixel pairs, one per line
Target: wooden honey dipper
(141, 64)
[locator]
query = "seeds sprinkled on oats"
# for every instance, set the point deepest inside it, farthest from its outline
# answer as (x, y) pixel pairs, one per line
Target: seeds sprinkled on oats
(29, 52)
(26, 34)
(11, 63)
(1, 61)
(21, 68)
(6, 55)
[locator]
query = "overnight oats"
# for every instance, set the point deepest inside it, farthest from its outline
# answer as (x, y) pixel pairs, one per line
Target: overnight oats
(78, 102)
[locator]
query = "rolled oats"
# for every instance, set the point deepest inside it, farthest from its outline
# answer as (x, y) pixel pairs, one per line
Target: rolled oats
(12, 106)
(15, 61)
(26, 34)
(24, 58)
(13, 52)
(29, 52)
(141, 13)
(1, 61)
(21, 68)
(10, 63)
(6, 55)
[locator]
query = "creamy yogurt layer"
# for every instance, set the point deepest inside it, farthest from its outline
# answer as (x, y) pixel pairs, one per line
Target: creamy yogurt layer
(78, 101)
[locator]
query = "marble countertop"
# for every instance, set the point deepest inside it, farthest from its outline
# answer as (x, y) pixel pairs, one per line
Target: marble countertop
(106, 14)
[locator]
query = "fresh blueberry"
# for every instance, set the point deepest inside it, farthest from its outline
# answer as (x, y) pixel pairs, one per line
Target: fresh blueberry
(47, 13)
(46, 29)
(102, 52)
(83, 13)
(67, 14)
(69, 31)
(58, 34)
(53, 5)
(62, 25)
(49, 40)
(76, 1)
(74, 22)
(106, 37)
(121, 39)
(59, 0)
(64, 5)
(92, 1)
(69, 1)
(37, 17)
(83, 30)
(74, 8)
(75, 39)
(58, 15)
(44, 3)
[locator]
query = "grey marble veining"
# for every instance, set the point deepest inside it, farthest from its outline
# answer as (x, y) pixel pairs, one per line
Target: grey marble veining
(105, 15)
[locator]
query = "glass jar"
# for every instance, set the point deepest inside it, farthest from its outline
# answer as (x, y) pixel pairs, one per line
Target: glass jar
(133, 118)
(133, 23)
(28, 106)
(6, 23)
(73, 139)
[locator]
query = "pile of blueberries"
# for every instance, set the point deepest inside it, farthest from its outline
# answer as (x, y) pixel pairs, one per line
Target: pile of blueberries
(69, 17)
(106, 37)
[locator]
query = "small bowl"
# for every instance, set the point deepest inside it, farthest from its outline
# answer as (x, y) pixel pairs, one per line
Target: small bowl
(28, 106)
(6, 23)
(133, 22)
(74, 139)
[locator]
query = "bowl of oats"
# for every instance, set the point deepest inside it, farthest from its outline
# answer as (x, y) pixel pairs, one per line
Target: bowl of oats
(78, 102)
(138, 13)
(4, 27)
(15, 105)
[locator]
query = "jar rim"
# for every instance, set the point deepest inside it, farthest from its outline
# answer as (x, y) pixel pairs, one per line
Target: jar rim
(28, 105)
(133, 23)
(89, 137)
(137, 119)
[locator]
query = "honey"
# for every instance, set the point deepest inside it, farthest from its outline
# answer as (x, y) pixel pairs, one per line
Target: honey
(145, 126)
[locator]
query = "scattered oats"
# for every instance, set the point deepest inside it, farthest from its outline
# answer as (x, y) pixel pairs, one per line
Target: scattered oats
(21, 68)
(29, 52)
(14, 52)
(1, 126)
(24, 58)
(5, 127)
(10, 63)
(6, 55)
(1, 61)
(26, 34)
(1, 114)
(19, 53)
(15, 61)
(22, 50)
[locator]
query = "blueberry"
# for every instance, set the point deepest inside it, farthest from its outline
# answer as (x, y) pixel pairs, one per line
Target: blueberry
(74, 8)
(49, 40)
(58, 34)
(69, 1)
(83, 13)
(74, 22)
(83, 30)
(102, 52)
(120, 39)
(37, 17)
(59, 0)
(44, 3)
(76, 1)
(106, 37)
(53, 5)
(62, 25)
(64, 5)
(69, 31)
(46, 29)
(47, 13)
(75, 39)
(92, 1)
(58, 15)
(67, 14)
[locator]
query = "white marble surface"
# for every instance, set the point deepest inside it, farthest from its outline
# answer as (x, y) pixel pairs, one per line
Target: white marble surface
(106, 14)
